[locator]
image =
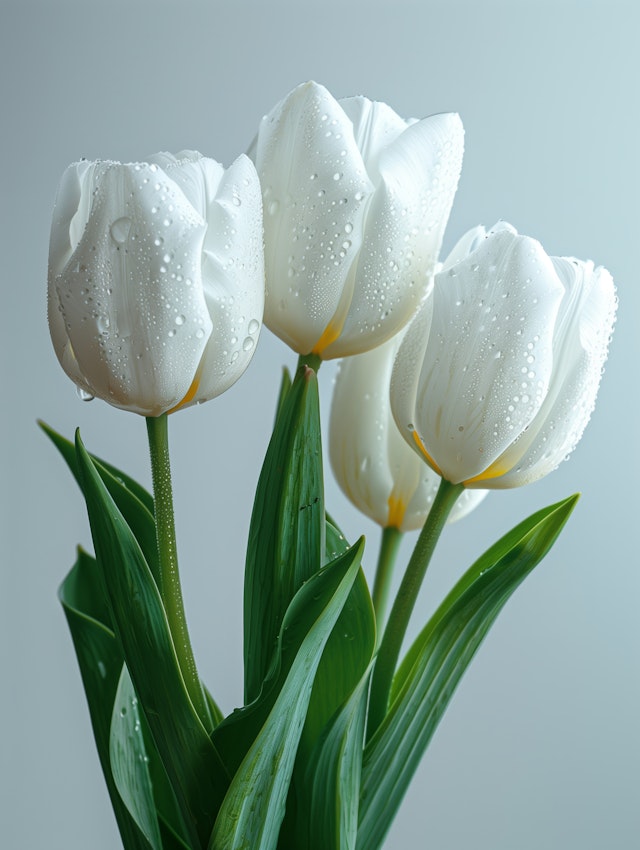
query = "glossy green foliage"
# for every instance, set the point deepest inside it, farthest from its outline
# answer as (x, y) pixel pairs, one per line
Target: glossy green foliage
(286, 536)
(254, 807)
(196, 772)
(437, 660)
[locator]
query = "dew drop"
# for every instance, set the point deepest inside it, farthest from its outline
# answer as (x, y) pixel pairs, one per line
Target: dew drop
(180, 320)
(120, 230)
(253, 326)
(84, 395)
(248, 344)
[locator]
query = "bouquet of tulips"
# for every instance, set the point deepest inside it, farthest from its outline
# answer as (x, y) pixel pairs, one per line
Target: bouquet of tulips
(461, 375)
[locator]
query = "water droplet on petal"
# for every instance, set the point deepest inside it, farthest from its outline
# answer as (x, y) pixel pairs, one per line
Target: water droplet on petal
(84, 395)
(120, 230)
(253, 326)
(248, 344)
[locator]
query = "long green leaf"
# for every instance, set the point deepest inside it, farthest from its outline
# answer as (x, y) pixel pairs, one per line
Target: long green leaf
(254, 807)
(437, 660)
(197, 774)
(329, 790)
(286, 536)
(130, 762)
(345, 658)
(100, 661)
(133, 501)
(323, 804)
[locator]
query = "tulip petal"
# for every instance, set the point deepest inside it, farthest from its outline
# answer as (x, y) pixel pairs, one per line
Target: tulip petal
(489, 355)
(581, 341)
(197, 176)
(315, 189)
(406, 374)
(233, 278)
(140, 340)
(357, 444)
(375, 127)
(467, 243)
(70, 213)
(372, 463)
(404, 227)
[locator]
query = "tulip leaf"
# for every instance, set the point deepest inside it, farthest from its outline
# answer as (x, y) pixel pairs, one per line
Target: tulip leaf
(286, 535)
(322, 812)
(348, 651)
(133, 501)
(254, 807)
(100, 661)
(130, 763)
(434, 665)
(136, 506)
(329, 789)
(195, 770)
(285, 386)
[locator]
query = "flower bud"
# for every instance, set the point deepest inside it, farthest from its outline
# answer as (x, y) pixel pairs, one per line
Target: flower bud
(371, 462)
(356, 200)
(156, 278)
(497, 375)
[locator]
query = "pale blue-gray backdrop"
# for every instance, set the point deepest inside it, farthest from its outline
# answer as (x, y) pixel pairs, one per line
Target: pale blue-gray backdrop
(540, 747)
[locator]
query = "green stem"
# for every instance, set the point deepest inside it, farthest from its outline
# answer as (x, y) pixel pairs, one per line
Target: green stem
(391, 538)
(404, 602)
(170, 588)
(313, 361)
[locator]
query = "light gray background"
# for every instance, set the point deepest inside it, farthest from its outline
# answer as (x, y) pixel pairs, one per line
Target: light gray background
(540, 747)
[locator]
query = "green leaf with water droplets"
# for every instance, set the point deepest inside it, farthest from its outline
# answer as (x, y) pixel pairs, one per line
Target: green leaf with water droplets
(100, 661)
(197, 775)
(130, 762)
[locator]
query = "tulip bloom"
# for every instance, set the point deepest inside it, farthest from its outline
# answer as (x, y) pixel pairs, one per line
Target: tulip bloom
(371, 462)
(497, 376)
(356, 200)
(156, 278)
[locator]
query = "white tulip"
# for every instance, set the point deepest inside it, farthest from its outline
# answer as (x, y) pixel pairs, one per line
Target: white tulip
(356, 200)
(371, 462)
(156, 278)
(497, 376)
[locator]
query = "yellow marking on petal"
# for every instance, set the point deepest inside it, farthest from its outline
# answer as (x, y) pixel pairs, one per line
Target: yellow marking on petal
(329, 335)
(397, 509)
(190, 394)
(425, 453)
(495, 470)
